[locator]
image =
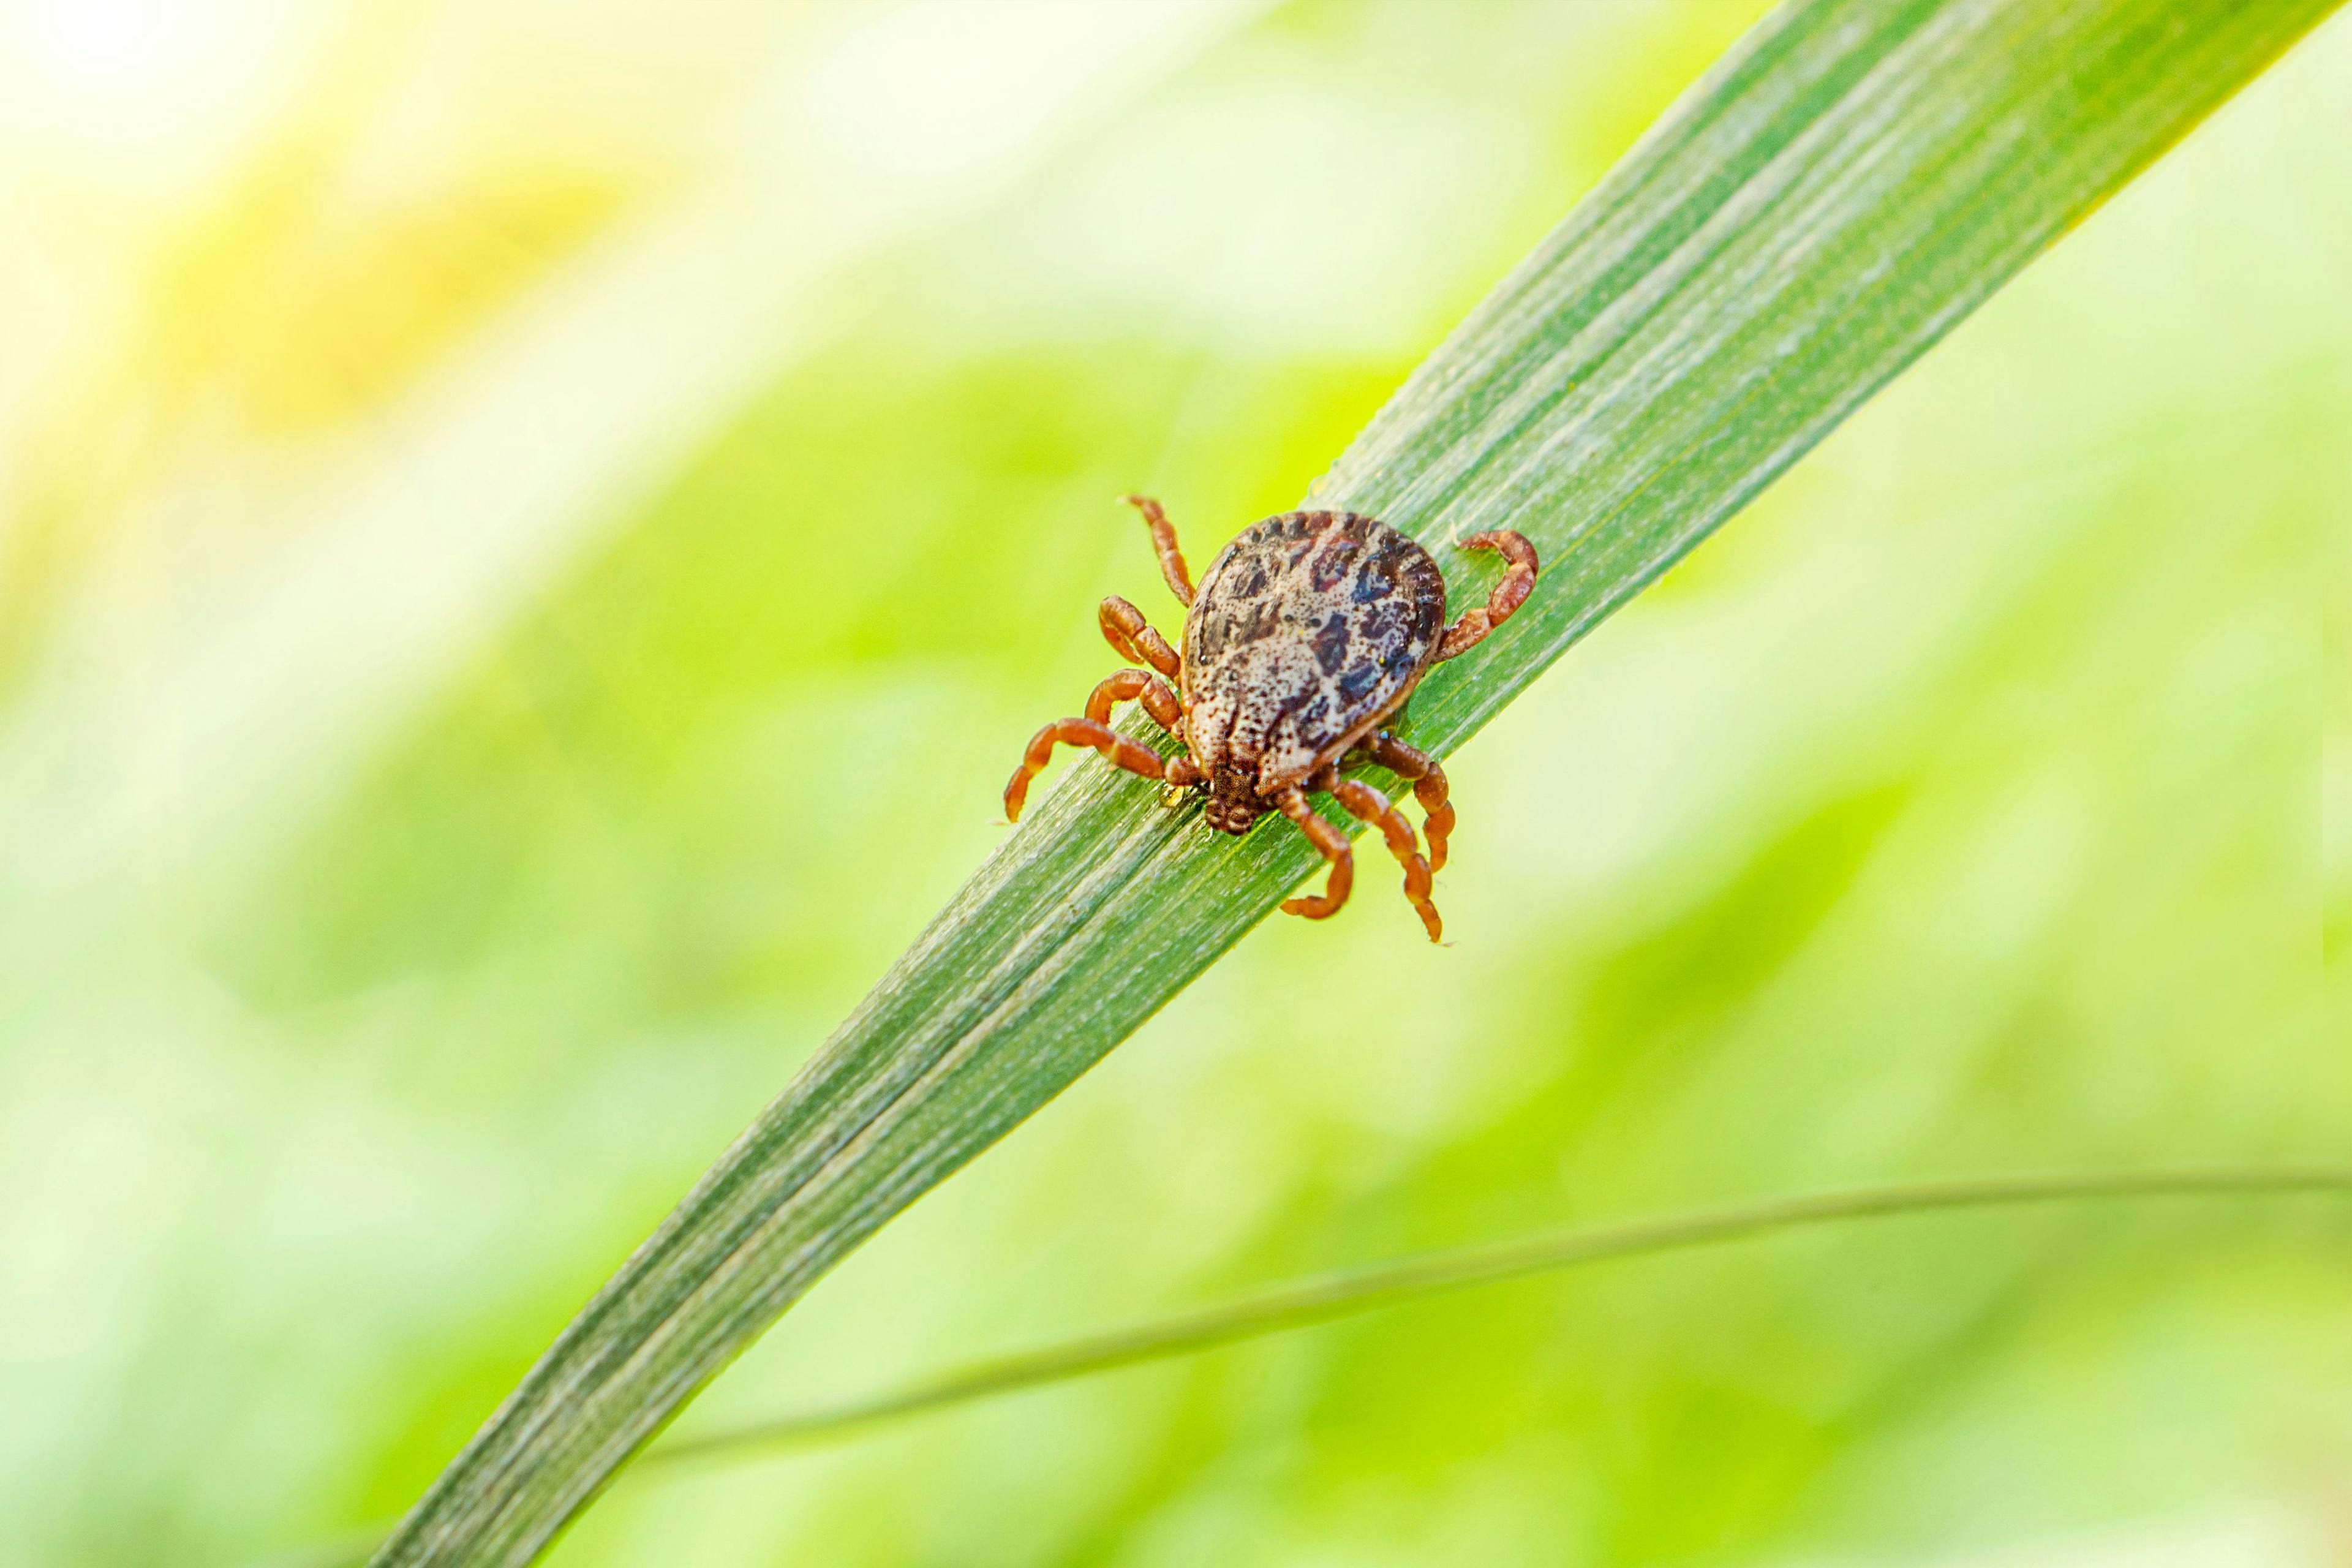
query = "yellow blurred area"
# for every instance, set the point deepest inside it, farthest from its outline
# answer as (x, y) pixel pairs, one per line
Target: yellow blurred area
(531, 533)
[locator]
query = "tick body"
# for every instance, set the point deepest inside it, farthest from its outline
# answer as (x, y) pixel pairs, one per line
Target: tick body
(1306, 637)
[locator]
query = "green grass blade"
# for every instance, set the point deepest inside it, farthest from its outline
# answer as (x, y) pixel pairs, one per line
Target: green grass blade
(1410, 1279)
(1852, 180)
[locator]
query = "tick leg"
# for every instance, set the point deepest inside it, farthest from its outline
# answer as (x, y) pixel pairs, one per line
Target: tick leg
(1366, 804)
(1420, 769)
(1124, 627)
(1334, 845)
(1120, 749)
(1131, 684)
(1166, 711)
(1164, 539)
(1509, 595)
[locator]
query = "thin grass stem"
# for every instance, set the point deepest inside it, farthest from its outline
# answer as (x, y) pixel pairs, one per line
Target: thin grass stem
(1394, 1284)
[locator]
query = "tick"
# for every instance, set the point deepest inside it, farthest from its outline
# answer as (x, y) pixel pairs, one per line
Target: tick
(1306, 637)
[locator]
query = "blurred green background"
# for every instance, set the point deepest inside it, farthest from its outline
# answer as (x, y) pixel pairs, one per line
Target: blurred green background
(531, 533)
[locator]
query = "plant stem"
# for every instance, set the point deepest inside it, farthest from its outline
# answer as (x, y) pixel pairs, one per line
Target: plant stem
(1394, 1284)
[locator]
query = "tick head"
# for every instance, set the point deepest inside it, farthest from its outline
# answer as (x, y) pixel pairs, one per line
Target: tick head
(1234, 804)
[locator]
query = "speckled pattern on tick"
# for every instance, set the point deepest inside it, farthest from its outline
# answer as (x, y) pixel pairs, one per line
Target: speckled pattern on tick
(1306, 637)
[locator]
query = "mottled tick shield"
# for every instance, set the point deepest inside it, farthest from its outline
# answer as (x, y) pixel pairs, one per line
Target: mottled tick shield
(1308, 630)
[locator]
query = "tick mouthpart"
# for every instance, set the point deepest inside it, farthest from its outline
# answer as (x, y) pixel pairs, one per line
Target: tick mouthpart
(1234, 806)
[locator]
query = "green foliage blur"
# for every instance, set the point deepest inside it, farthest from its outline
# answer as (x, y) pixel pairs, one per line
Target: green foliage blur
(530, 537)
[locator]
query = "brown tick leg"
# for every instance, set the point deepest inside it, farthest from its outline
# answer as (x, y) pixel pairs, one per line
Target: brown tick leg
(1366, 804)
(1164, 539)
(1509, 595)
(1120, 750)
(1124, 627)
(1334, 845)
(1419, 769)
(1166, 711)
(1130, 685)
